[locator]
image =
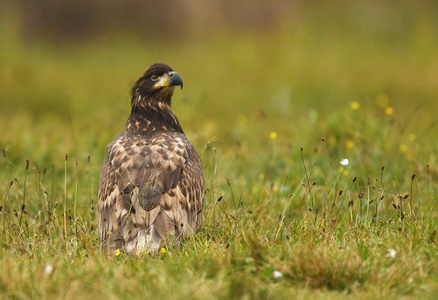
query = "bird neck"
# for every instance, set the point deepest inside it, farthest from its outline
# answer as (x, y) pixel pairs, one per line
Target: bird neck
(149, 116)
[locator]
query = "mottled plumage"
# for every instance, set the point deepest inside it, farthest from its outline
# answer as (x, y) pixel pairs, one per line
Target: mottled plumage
(151, 183)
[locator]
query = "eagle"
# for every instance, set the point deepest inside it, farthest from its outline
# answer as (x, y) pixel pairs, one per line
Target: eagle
(151, 185)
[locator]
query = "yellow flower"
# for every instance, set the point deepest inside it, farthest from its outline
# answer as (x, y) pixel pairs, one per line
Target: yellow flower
(403, 148)
(262, 176)
(355, 105)
(411, 137)
(389, 110)
(117, 252)
(382, 100)
(273, 135)
(349, 144)
(163, 250)
(343, 171)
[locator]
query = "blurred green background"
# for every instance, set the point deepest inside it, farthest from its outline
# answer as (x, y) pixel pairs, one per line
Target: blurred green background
(341, 79)
(261, 79)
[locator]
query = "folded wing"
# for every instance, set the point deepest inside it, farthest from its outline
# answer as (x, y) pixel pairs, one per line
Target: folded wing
(149, 190)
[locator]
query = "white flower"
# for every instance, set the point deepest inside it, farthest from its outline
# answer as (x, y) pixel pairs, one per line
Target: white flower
(392, 253)
(277, 274)
(344, 162)
(48, 269)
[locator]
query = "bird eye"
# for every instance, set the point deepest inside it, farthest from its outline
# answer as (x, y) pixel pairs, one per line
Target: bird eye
(155, 77)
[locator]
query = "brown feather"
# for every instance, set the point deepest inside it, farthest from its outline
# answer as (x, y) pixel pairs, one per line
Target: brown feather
(151, 183)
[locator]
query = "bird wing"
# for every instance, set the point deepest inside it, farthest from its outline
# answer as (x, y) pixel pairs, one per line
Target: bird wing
(156, 181)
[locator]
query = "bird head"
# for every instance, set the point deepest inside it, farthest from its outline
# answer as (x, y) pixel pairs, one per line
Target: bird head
(157, 84)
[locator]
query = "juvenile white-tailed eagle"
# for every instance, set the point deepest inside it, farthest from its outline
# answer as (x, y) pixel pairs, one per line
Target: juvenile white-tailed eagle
(151, 185)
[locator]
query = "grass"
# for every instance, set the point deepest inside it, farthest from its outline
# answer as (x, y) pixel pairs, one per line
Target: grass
(272, 115)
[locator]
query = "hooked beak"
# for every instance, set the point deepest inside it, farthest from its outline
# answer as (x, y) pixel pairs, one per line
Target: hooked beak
(169, 79)
(175, 79)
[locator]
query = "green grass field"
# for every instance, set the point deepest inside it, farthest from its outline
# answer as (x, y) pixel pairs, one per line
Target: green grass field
(272, 115)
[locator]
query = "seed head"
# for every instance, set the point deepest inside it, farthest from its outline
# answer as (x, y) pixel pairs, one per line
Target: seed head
(392, 253)
(48, 269)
